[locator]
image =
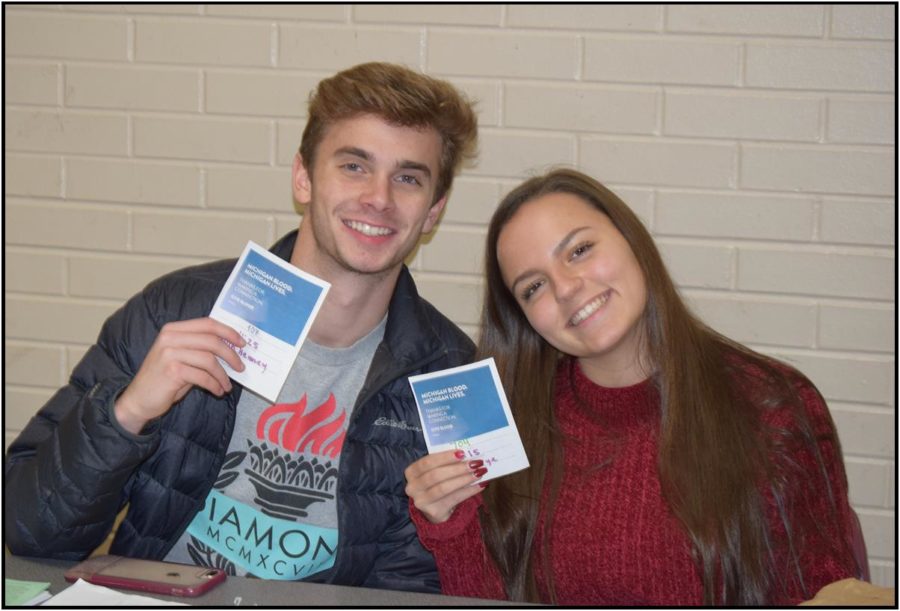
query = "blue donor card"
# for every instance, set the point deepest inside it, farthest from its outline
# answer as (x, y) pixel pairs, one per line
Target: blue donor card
(465, 408)
(460, 406)
(272, 298)
(272, 305)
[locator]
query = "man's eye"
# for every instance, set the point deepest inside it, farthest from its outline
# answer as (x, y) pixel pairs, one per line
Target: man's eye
(352, 166)
(409, 180)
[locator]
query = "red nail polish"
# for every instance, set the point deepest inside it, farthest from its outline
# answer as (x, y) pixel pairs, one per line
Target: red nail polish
(474, 464)
(480, 472)
(459, 454)
(483, 484)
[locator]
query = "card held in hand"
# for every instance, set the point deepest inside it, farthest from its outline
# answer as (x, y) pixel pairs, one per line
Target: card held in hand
(466, 408)
(272, 304)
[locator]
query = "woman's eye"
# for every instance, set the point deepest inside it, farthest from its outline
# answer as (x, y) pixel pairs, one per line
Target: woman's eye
(531, 289)
(580, 250)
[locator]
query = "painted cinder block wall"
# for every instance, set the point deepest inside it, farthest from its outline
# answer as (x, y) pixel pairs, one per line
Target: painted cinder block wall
(756, 142)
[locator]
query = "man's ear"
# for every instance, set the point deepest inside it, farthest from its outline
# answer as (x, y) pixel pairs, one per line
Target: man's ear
(434, 213)
(301, 181)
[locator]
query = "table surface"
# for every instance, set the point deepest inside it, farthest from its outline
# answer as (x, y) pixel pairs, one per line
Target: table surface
(254, 591)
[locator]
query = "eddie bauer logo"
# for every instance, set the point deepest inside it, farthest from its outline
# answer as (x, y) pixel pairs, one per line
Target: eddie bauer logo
(397, 424)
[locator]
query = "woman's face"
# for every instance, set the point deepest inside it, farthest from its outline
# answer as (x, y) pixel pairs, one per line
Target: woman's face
(578, 283)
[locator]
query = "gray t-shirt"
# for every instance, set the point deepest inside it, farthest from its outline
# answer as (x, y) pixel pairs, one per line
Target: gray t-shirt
(272, 512)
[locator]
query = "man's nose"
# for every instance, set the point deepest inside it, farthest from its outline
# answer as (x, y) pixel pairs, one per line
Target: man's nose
(377, 193)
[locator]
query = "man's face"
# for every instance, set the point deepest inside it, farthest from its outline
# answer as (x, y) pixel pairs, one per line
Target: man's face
(369, 196)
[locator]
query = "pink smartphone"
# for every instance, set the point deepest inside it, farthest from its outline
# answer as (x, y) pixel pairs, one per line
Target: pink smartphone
(147, 575)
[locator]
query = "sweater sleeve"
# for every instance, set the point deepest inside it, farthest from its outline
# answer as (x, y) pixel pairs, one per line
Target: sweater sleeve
(816, 505)
(464, 564)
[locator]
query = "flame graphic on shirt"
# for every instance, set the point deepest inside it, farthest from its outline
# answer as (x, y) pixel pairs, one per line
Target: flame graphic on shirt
(287, 425)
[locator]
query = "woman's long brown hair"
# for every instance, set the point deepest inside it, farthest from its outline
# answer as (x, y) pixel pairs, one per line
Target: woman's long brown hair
(714, 457)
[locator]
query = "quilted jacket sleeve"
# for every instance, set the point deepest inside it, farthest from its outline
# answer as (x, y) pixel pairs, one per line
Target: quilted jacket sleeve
(66, 475)
(402, 563)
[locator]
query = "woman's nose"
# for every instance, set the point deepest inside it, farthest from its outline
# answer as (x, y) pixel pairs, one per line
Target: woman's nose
(566, 285)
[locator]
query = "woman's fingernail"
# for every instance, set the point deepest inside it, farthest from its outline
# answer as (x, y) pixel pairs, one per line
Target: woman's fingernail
(483, 484)
(474, 464)
(459, 454)
(480, 472)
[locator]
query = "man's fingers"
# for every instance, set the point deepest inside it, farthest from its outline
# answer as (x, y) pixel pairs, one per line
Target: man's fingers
(186, 363)
(205, 325)
(173, 344)
(203, 379)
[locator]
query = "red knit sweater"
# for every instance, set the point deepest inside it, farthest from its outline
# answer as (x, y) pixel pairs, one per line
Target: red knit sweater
(614, 540)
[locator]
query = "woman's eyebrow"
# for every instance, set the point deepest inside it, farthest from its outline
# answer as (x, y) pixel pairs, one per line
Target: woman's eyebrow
(567, 239)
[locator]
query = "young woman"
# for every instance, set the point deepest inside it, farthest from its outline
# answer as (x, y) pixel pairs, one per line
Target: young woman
(669, 464)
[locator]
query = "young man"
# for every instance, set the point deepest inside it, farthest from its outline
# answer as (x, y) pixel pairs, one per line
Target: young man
(310, 487)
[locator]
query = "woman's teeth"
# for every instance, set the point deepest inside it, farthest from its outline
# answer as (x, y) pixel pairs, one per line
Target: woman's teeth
(589, 309)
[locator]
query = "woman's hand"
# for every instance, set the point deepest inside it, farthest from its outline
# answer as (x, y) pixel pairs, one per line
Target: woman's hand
(437, 483)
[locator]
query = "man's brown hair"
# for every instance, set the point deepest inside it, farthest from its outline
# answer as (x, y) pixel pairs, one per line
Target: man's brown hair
(401, 97)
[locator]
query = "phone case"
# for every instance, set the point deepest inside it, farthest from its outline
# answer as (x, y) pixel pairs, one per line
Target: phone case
(147, 575)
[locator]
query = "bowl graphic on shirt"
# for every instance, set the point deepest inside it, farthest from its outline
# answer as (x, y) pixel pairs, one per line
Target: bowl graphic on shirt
(287, 483)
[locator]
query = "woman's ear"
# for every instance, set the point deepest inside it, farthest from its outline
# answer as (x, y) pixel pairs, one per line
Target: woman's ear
(301, 182)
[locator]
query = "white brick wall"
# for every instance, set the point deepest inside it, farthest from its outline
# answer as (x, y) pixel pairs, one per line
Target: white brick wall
(757, 143)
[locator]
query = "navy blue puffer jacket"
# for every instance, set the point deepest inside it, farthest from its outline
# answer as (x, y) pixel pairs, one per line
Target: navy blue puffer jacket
(74, 468)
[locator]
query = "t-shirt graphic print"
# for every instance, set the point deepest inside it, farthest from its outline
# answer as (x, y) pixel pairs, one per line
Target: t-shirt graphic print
(288, 482)
(272, 512)
(291, 466)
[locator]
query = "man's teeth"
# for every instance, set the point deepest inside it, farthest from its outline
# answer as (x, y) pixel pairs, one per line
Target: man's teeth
(589, 309)
(367, 229)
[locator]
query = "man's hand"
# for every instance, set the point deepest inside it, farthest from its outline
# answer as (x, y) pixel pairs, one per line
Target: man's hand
(182, 356)
(437, 483)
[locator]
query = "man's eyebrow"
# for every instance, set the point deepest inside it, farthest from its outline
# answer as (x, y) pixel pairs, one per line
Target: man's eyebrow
(414, 165)
(355, 151)
(404, 164)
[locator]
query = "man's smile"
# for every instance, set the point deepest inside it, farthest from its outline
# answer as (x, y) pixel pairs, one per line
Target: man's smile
(369, 230)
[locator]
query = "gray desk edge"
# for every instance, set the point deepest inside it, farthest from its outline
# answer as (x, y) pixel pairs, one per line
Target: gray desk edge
(241, 591)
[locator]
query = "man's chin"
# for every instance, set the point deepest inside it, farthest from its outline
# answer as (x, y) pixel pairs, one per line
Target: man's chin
(372, 268)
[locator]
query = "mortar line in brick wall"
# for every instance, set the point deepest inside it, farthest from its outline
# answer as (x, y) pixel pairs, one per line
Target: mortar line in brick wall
(274, 43)
(824, 112)
(828, 24)
(130, 40)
